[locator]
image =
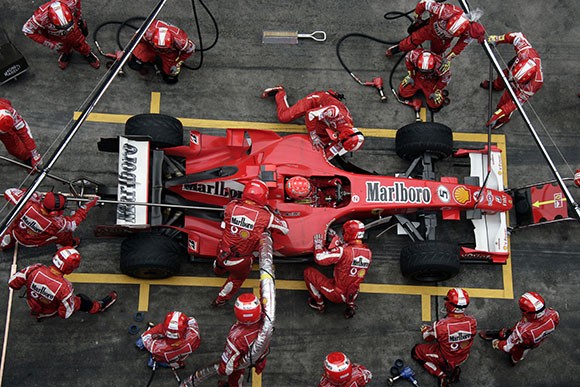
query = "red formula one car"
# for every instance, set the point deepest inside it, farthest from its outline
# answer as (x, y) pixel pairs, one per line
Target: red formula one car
(187, 186)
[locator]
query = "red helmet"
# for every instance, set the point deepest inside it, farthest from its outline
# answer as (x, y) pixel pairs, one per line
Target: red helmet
(337, 368)
(524, 70)
(257, 191)
(248, 309)
(6, 121)
(54, 202)
(457, 24)
(426, 62)
(351, 139)
(60, 16)
(532, 305)
(353, 230)
(457, 300)
(67, 259)
(162, 38)
(175, 325)
(298, 187)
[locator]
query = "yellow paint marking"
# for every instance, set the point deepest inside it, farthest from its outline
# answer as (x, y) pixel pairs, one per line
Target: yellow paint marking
(539, 203)
(143, 298)
(422, 114)
(425, 307)
(155, 102)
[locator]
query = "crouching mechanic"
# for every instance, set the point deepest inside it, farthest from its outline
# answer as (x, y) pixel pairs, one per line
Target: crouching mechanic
(163, 45)
(244, 223)
(240, 340)
(59, 26)
(536, 324)
(42, 222)
(172, 341)
(340, 372)
(524, 74)
(426, 73)
(449, 340)
(352, 259)
(16, 136)
(327, 119)
(48, 293)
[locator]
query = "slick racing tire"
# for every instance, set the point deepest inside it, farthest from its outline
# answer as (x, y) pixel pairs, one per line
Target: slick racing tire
(151, 256)
(418, 138)
(430, 261)
(164, 131)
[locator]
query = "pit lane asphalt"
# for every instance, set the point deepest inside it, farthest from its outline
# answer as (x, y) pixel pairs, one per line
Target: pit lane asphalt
(98, 351)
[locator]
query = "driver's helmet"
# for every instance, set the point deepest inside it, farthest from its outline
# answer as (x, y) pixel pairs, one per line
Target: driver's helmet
(298, 188)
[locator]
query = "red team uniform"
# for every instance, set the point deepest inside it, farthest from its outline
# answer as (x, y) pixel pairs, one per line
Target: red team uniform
(340, 372)
(244, 223)
(16, 135)
(449, 339)
(352, 260)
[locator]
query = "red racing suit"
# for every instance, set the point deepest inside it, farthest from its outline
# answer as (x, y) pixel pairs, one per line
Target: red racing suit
(524, 91)
(244, 223)
(351, 261)
(431, 84)
(360, 377)
(172, 352)
(35, 226)
(49, 293)
(450, 342)
(40, 29)
(527, 335)
(436, 29)
(238, 343)
(325, 116)
(172, 58)
(18, 140)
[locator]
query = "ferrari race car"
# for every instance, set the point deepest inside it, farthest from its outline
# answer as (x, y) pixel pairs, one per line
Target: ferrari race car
(171, 196)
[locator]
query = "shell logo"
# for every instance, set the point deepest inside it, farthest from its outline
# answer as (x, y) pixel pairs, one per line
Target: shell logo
(245, 234)
(461, 194)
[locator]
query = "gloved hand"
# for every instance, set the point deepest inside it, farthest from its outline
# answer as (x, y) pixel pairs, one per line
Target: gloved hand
(316, 141)
(495, 344)
(92, 203)
(446, 63)
(577, 177)
(493, 121)
(82, 23)
(175, 69)
(408, 80)
(332, 233)
(318, 243)
(437, 97)
(139, 343)
(36, 160)
(425, 328)
(495, 39)
(57, 46)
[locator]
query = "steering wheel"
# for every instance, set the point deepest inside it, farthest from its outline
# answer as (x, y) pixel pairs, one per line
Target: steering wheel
(339, 193)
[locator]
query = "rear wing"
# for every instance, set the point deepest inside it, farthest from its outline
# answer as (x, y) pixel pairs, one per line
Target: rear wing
(133, 182)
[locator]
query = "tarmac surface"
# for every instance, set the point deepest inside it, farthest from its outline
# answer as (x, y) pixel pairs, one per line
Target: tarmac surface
(97, 350)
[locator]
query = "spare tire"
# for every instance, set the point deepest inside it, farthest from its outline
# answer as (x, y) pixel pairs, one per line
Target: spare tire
(418, 138)
(151, 256)
(430, 261)
(165, 131)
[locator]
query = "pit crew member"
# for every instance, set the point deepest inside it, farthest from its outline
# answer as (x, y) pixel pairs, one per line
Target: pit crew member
(352, 259)
(314, 191)
(172, 341)
(240, 340)
(48, 293)
(42, 222)
(327, 119)
(244, 222)
(165, 46)
(524, 74)
(16, 136)
(449, 340)
(445, 22)
(59, 26)
(536, 324)
(339, 371)
(426, 73)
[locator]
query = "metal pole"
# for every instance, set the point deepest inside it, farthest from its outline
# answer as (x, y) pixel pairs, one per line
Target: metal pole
(491, 56)
(13, 270)
(97, 94)
(177, 206)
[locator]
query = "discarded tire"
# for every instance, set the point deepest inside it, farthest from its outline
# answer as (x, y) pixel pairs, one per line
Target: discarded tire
(165, 131)
(415, 139)
(430, 261)
(151, 256)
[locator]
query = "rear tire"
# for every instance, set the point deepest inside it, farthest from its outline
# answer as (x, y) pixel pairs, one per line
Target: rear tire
(151, 256)
(165, 131)
(430, 261)
(418, 138)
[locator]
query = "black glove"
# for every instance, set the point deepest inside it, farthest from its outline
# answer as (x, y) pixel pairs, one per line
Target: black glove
(82, 23)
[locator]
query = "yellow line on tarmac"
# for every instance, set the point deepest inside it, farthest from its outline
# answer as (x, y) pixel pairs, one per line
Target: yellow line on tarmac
(155, 102)
(425, 307)
(423, 114)
(143, 297)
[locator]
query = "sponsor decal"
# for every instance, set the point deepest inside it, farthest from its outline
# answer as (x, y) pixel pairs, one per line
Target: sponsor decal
(34, 221)
(489, 198)
(558, 202)
(361, 262)
(192, 244)
(226, 189)
(243, 217)
(40, 288)
(245, 234)
(397, 193)
(459, 332)
(132, 181)
(12, 70)
(355, 198)
(193, 138)
(443, 194)
(461, 194)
